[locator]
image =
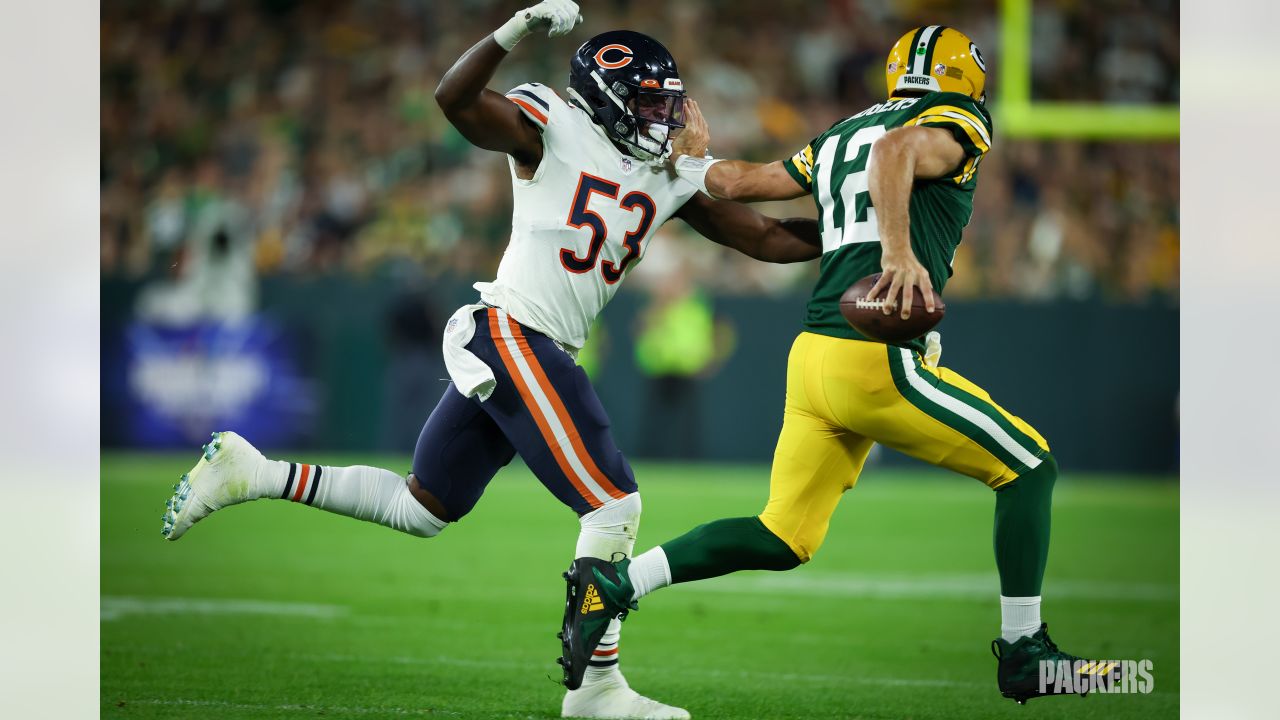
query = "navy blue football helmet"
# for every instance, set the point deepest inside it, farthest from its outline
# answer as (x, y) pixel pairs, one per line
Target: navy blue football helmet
(628, 83)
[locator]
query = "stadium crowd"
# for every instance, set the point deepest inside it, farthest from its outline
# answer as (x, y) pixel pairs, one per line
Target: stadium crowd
(302, 137)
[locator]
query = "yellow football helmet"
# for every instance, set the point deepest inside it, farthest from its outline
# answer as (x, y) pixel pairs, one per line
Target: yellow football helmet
(939, 59)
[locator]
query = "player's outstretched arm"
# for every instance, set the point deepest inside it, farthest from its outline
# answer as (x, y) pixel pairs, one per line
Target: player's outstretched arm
(727, 179)
(897, 159)
(486, 118)
(759, 236)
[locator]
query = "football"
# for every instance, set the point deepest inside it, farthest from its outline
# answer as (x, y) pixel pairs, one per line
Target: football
(866, 315)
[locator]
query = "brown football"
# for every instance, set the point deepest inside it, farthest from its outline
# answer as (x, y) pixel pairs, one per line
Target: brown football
(867, 315)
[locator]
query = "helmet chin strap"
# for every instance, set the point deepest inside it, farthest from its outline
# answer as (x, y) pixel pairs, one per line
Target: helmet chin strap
(654, 142)
(653, 149)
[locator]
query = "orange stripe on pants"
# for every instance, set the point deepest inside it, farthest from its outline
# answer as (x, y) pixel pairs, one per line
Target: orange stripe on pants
(575, 438)
(495, 330)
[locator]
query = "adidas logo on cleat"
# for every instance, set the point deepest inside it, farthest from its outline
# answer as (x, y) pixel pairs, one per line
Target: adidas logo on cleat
(591, 600)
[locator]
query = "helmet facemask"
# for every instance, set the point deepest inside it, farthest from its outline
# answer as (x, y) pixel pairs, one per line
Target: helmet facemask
(643, 121)
(659, 119)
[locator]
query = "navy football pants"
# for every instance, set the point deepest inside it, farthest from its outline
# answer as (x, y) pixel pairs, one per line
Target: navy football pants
(543, 408)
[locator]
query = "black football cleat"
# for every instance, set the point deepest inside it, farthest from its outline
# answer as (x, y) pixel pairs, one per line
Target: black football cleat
(1021, 664)
(589, 605)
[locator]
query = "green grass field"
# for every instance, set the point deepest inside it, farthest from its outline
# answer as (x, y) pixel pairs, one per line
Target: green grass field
(273, 610)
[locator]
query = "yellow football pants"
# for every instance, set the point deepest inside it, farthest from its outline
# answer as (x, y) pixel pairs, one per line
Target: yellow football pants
(844, 395)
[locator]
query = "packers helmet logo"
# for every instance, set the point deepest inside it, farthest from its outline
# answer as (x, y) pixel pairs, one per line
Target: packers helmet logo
(614, 56)
(977, 57)
(591, 600)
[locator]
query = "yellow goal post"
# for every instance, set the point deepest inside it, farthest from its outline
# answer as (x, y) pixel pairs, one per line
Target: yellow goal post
(1017, 115)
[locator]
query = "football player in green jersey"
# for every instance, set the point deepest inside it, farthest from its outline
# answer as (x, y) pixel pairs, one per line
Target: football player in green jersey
(893, 186)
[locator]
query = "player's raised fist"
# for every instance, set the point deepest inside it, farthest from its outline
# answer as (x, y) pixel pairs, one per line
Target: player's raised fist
(557, 17)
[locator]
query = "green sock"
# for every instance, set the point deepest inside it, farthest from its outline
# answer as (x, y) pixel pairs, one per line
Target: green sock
(1023, 510)
(725, 546)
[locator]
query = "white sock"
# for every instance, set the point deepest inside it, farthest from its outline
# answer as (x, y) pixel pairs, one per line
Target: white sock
(1019, 617)
(269, 478)
(649, 571)
(358, 491)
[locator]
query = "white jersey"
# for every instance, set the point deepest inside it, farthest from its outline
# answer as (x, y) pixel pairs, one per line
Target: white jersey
(579, 224)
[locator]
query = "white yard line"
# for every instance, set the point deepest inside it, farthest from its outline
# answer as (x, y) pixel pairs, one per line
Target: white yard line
(980, 586)
(114, 607)
(812, 678)
(333, 709)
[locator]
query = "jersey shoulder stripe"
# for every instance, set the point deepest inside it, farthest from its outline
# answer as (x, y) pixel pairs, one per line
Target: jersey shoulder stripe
(530, 96)
(967, 121)
(536, 101)
(957, 109)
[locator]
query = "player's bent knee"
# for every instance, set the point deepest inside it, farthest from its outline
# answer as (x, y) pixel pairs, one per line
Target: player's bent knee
(610, 528)
(411, 512)
(800, 540)
(1045, 474)
(1042, 476)
(429, 500)
(1030, 493)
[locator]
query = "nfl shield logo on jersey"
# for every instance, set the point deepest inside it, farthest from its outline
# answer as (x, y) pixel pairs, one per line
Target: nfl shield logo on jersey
(626, 165)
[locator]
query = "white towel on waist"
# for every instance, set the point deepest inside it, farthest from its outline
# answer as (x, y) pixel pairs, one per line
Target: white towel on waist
(471, 375)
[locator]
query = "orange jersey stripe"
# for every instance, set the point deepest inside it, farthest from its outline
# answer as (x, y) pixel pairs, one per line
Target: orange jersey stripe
(302, 483)
(531, 109)
(575, 439)
(495, 330)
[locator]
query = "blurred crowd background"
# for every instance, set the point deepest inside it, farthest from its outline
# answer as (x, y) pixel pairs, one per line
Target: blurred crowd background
(287, 220)
(281, 136)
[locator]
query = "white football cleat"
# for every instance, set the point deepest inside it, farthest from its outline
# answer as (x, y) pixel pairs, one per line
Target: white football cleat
(223, 477)
(611, 697)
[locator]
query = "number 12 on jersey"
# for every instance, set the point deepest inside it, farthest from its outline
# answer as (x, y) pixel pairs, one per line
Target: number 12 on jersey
(843, 190)
(581, 216)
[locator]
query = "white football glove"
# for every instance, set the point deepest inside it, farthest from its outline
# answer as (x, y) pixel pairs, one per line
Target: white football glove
(557, 17)
(932, 348)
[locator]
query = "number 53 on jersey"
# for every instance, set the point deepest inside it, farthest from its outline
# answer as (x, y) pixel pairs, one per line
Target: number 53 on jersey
(581, 216)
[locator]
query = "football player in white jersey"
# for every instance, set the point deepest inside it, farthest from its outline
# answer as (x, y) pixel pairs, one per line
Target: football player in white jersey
(591, 183)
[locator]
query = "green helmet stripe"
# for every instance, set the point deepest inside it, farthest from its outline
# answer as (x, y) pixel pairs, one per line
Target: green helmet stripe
(933, 44)
(921, 46)
(911, 50)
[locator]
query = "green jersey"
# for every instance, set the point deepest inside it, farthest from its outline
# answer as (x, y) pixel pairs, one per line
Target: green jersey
(834, 168)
